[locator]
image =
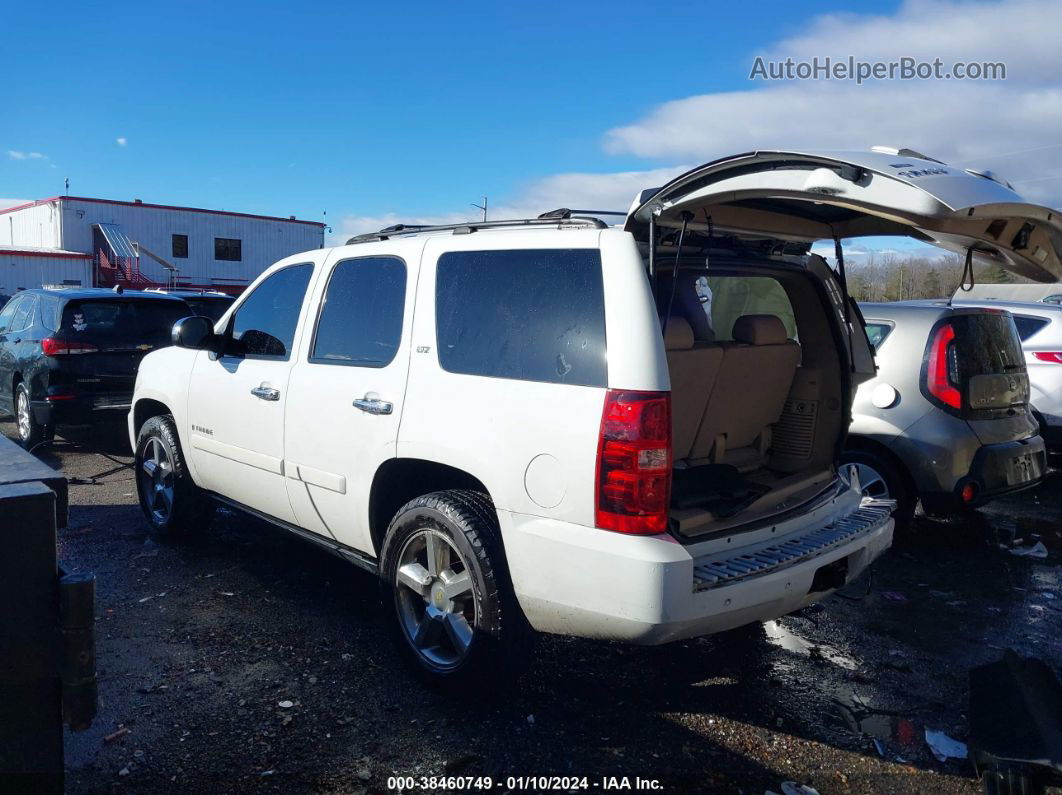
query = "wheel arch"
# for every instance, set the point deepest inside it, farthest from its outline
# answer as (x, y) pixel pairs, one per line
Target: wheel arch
(868, 445)
(143, 410)
(399, 480)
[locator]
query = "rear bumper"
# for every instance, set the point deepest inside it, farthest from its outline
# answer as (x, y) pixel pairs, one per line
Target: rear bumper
(996, 470)
(81, 410)
(576, 580)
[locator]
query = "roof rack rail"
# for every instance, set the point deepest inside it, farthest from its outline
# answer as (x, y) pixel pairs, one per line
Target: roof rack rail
(562, 217)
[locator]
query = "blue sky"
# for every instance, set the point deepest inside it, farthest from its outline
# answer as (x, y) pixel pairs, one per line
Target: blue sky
(355, 108)
(381, 112)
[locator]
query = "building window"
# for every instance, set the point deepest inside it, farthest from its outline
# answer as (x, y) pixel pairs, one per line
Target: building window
(180, 246)
(228, 249)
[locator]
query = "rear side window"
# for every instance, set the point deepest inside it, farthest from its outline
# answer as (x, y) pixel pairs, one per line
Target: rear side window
(726, 298)
(530, 315)
(1027, 326)
(50, 312)
(877, 332)
(122, 324)
(264, 325)
(361, 317)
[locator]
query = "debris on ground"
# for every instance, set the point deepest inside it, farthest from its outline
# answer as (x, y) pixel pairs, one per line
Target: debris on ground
(1037, 550)
(285, 704)
(944, 747)
(894, 596)
(116, 735)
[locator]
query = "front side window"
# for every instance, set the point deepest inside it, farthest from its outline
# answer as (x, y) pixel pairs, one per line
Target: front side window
(264, 325)
(361, 316)
(180, 246)
(532, 315)
(228, 249)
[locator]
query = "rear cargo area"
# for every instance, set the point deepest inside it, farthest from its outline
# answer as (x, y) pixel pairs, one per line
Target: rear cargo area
(756, 393)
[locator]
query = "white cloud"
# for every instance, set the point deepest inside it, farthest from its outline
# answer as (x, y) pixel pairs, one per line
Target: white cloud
(576, 190)
(989, 124)
(121, 141)
(969, 123)
(17, 155)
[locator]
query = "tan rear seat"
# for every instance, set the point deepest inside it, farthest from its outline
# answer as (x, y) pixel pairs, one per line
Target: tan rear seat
(750, 392)
(693, 367)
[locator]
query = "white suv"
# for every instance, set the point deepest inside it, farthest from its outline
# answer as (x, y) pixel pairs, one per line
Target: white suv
(553, 425)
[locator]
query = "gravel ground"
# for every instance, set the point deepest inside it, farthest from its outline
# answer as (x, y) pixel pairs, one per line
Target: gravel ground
(245, 660)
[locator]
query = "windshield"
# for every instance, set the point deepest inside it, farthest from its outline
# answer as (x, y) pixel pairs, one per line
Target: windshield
(122, 324)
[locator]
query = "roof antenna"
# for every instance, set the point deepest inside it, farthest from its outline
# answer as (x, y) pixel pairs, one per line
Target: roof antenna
(482, 207)
(686, 216)
(967, 283)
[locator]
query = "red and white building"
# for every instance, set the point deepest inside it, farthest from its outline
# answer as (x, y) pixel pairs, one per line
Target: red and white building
(71, 240)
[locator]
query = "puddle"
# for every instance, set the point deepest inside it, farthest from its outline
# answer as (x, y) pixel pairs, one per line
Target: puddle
(779, 636)
(879, 724)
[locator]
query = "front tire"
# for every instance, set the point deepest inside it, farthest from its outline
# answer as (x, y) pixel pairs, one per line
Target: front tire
(30, 432)
(446, 584)
(879, 477)
(171, 502)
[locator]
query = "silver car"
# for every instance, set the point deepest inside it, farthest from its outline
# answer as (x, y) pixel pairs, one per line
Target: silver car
(947, 419)
(1040, 329)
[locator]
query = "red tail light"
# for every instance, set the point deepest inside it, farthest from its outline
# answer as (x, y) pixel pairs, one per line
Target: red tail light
(942, 370)
(57, 347)
(1055, 357)
(634, 462)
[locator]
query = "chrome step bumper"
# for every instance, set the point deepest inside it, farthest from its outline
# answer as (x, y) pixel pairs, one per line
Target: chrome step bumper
(713, 571)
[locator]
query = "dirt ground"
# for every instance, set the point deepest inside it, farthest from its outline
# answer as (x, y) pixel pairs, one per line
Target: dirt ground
(245, 660)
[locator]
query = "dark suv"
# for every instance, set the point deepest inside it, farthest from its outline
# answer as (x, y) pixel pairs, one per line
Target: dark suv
(70, 356)
(205, 303)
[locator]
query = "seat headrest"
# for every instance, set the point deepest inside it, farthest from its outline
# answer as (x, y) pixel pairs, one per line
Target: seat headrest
(679, 334)
(760, 330)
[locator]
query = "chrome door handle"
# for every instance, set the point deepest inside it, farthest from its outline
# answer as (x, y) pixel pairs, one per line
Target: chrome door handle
(373, 406)
(266, 393)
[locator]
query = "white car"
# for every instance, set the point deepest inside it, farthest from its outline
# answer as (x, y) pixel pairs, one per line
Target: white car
(494, 419)
(1039, 326)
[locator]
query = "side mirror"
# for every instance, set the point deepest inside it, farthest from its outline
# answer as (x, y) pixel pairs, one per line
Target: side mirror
(194, 332)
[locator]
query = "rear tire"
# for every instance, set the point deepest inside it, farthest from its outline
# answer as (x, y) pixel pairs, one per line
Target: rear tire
(445, 582)
(30, 432)
(171, 502)
(879, 477)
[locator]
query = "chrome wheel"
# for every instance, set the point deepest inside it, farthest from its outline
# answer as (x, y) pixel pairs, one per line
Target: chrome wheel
(871, 481)
(22, 412)
(434, 597)
(156, 480)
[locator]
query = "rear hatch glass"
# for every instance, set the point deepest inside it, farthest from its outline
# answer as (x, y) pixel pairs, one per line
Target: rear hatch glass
(134, 325)
(111, 337)
(990, 364)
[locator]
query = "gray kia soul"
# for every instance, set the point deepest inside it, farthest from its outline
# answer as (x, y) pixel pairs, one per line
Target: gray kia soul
(947, 418)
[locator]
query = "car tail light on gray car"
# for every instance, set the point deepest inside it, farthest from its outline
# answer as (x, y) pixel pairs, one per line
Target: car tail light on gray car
(634, 462)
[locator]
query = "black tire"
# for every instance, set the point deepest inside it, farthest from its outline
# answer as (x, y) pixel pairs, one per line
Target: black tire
(501, 638)
(895, 482)
(30, 432)
(188, 509)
